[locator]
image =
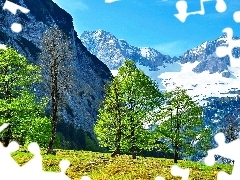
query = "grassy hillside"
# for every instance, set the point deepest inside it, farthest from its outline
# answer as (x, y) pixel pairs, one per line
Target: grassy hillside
(100, 166)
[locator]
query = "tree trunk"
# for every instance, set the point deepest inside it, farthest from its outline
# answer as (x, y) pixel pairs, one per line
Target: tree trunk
(176, 144)
(119, 132)
(117, 151)
(132, 131)
(134, 155)
(175, 155)
(7, 137)
(54, 127)
(8, 134)
(133, 140)
(55, 98)
(133, 148)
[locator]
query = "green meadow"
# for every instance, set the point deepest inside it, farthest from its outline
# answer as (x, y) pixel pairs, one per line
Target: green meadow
(100, 166)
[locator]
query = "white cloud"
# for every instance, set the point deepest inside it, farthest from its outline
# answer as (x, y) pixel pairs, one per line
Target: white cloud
(110, 1)
(175, 48)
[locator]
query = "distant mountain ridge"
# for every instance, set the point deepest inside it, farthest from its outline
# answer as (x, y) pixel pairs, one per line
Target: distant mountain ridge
(113, 51)
(205, 54)
(213, 76)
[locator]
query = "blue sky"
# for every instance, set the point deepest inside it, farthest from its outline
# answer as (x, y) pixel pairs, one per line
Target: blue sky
(152, 22)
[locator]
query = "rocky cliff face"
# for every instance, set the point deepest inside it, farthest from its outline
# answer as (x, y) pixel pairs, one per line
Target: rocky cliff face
(90, 73)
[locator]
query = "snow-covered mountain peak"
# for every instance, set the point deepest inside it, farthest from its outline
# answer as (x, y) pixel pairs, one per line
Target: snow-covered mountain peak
(98, 33)
(198, 70)
(148, 53)
(113, 51)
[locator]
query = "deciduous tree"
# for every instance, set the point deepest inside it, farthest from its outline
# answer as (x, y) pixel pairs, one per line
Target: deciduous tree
(109, 127)
(129, 99)
(18, 105)
(181, 129)
(56, 55)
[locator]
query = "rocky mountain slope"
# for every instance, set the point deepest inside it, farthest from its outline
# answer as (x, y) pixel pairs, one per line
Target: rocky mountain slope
(90, 73)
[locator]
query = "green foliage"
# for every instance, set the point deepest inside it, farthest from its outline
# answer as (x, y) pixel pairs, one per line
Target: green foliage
(57, 141)
(181, 127)
(18, 106)
(129, 98)
(70, 137)
(90, 144)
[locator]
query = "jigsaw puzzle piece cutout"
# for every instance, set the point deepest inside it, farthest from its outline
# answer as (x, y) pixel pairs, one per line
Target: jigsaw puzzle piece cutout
(34, 166)
(4, 125)
(228, 150)
(12, 7)
(221, 6)
(222, 51)
(181, 7)
(7, 163)
(159, 178)
(177, 171)
(4, 47)
(10, 169)
(88, 178)
(224, 176)
(54, 175)
(64, 165)
(236, 16)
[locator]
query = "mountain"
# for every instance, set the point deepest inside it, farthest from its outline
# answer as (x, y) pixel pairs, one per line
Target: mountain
(205, 54)
(112, 51)
(91, 74)
(198, 70)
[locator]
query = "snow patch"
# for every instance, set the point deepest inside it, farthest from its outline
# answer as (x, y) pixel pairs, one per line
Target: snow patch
(202, 85)
(154, 75)
(145, 51)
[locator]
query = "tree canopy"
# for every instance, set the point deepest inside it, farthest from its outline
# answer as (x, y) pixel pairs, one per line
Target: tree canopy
(18, 105)
(124, 112)
(56, 55)
(181, 128)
